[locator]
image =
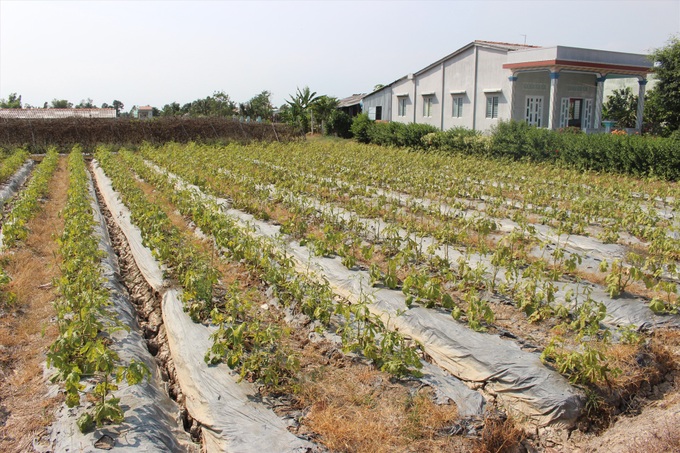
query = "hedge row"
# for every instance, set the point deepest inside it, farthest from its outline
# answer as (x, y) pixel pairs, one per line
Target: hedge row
(39, 135)
(644, 156)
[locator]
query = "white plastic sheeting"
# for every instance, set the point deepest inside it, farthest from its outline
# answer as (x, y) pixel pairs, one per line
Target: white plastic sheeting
(469, 402)
(121, 215)
(625, 310)
(227, 410)
(9, 189)
(517, 377)
(151, 417)
(231, 418)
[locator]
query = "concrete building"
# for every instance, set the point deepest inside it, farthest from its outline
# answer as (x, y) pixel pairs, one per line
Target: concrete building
(484, 82)
(145, 112)
(57, 113)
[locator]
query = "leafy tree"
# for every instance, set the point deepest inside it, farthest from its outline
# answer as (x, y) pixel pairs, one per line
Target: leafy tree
(172, 109)
(61, 104)
(118, 106)
(666, 94)
(219, 104)
(13, 101)
(299, 113)
(258, 106)
(621, 106)
(323, 107)
(105, 106)
(86, 104)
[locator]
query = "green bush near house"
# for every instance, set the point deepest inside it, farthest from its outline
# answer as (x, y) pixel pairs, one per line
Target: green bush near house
(360, 127)
(390, 134)
(639, 155)
(340, 124)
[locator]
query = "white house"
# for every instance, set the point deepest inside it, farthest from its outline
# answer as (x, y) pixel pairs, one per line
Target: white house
(484, 81)
(145, 112)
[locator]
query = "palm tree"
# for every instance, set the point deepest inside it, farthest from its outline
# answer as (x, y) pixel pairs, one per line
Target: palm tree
(300, 107)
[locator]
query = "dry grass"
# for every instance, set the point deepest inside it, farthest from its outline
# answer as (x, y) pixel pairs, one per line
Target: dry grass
(666, 438)
(25, 331)
(500, 435)
(357, 409)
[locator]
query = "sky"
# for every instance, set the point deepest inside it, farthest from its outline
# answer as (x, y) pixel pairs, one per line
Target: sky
(157, 52)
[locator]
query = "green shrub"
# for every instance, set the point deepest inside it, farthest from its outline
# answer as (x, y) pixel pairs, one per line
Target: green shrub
(457, 140)
(339, 124)
(644, 156)
(360, 128)
(517, 140)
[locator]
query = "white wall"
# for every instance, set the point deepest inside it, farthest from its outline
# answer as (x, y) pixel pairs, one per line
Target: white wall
(491, 75)
(459, 75)
(405, 85)
(429, 82)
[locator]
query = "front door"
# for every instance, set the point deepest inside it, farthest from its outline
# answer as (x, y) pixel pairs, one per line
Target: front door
(534, 111)
(575, 112)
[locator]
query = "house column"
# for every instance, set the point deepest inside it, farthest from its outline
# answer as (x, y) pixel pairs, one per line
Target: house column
(511, 98)
(599, 96)
(552, 114)
(640, 104)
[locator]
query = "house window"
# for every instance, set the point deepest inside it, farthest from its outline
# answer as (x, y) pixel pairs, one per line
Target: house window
(378, 113)
(427, 106)
(492, 106)
(402, 106)
(457, 106)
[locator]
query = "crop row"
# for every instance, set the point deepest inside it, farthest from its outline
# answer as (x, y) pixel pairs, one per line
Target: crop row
(11, 163)
(82, 349)
(14, 228)
(553, 194)
(242, 340)
(330, 230)
(424, 289)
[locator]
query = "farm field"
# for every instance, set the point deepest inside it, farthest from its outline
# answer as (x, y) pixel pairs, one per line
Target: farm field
(326, 295)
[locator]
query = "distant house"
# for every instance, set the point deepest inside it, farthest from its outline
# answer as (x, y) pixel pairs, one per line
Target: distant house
(145, 112)
(352, 104)
(484, 82)
(57, 113)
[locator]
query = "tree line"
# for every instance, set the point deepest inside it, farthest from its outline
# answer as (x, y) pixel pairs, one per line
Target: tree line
(305, 110)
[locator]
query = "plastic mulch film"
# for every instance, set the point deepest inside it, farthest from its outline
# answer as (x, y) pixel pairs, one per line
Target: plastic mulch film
(624, 310)
(517, 377)
(228, 411)
(9, 189)
(151, 417)
(231, 418)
